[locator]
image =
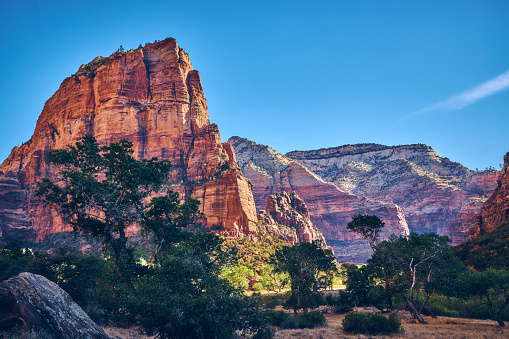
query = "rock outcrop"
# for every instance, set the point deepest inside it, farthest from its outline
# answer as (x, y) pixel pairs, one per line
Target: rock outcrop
(287, 218)
(32, 300)
(435, 194)
(496, 209)
(152, 97)
(330, 208)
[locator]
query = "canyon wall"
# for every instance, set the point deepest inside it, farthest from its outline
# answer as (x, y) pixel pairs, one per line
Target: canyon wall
(152, 97)
(409, 187)
(496, 208)
(330, 208)
(287, 218)
(434, 193)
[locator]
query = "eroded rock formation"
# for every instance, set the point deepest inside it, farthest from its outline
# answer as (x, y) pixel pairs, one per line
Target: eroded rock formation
(330, 208)
(496, 209)
(152, 97)
(286, 217)
(32, 300)
(435, 194)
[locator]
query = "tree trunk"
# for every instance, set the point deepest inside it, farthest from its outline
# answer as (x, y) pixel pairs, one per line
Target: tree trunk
(413, 310)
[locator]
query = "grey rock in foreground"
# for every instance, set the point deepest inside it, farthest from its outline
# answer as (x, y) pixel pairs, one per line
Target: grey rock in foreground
(32, 300)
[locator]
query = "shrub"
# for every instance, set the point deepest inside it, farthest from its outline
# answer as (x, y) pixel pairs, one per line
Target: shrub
(257, 286)
(371, 323)
(276, 318)
(271, 301)
(310, 319)
(282, 319)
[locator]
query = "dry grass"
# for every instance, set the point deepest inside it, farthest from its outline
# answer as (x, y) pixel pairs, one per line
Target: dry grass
(443, 327)
(125, 333)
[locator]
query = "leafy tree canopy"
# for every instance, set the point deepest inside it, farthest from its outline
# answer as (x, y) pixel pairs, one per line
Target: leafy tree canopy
(367, 226)
(304, 263)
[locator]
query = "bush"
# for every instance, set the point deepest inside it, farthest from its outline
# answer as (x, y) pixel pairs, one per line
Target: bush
(371, 323)
(283, 319)
(271, 301)
(276, 318)
(310, 319)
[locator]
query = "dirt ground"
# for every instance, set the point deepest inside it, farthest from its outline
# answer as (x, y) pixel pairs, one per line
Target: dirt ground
(443, 327)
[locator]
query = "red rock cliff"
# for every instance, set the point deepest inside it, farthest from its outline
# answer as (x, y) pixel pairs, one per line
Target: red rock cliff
(152, 97)
(496, 209)
(287, 217)
(330, 208)
(435, 193)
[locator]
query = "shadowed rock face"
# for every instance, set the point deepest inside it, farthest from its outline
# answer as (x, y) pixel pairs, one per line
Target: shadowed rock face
(496, 208)
(152, 97)
(330, 208)
(287, 217)
(30, 299)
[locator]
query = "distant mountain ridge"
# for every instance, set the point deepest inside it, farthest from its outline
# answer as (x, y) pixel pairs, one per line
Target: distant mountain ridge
(430, 192)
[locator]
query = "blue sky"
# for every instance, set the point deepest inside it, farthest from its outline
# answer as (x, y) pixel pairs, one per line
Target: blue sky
(294, 75)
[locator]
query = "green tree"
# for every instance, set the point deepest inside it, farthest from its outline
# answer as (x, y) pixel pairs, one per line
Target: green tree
(364, 284)
(368, 227)
(304, 263)
(101, 191)
(184, 296)
(492, 286)
(419, 262)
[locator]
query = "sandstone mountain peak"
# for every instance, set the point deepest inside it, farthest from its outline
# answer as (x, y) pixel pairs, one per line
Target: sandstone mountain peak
(152, 97)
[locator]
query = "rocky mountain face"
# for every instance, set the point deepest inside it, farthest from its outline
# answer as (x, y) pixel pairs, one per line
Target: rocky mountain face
(411, 188)
(330, 208)
(435, 194)
(496, 209)
(287, 217)
(152, 97)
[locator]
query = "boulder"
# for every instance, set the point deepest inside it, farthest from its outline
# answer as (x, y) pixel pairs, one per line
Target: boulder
(32, 300)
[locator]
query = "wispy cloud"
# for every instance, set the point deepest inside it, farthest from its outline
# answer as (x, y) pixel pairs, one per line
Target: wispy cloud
(468, 97)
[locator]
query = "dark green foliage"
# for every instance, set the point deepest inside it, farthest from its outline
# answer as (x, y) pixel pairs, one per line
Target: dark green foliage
(488, 250)
(178, 293)
(364, 284)
(78, 274)
(101, 191)
(309, 319)
(492, 286)
(367, 226)
(184, 298)
(13, 260)
(283, 319)
(277, 318)
(418, 263)
(271, 301)
(304, 263)
(371, 323)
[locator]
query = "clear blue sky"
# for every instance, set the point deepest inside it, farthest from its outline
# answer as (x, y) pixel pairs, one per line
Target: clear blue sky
(295, 75)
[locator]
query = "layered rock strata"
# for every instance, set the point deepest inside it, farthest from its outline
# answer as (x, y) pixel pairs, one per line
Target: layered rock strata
(496, 209)
(152, 97)
(435, 194)
(330, 208)
(287, 218)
